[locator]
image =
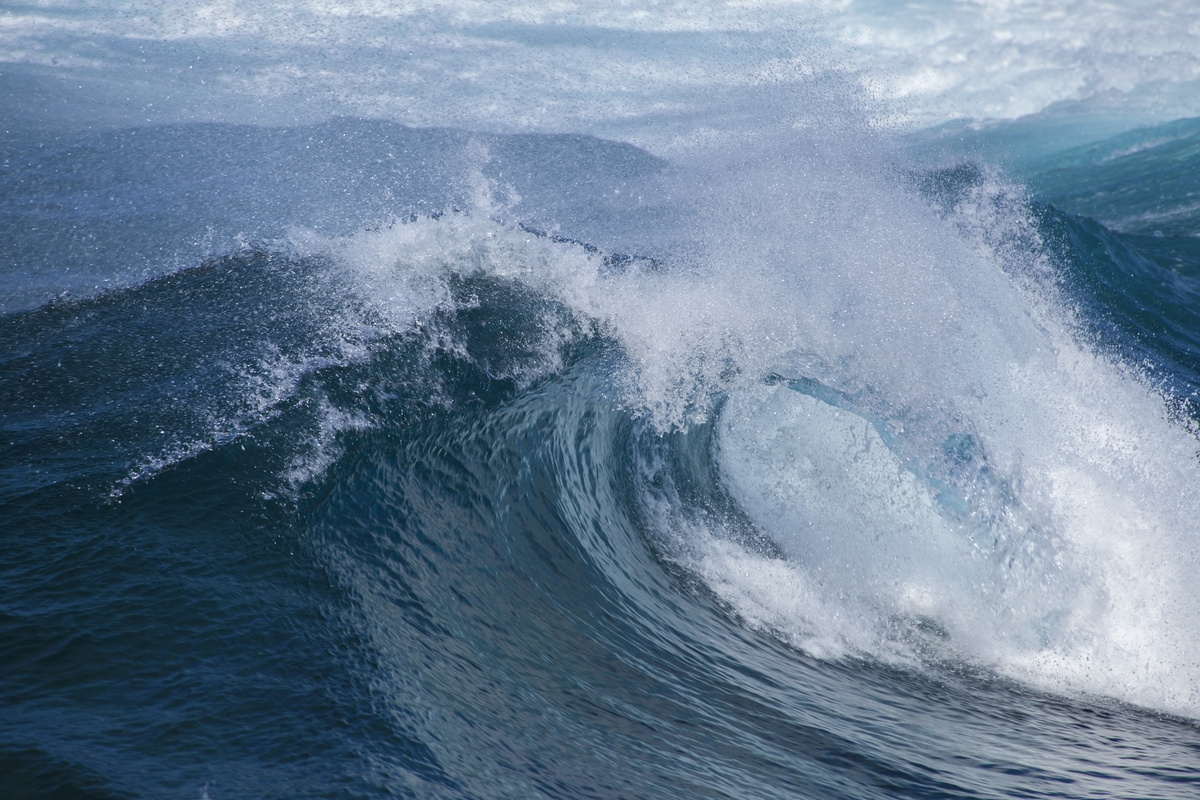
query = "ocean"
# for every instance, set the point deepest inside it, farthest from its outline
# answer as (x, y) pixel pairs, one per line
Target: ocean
(616, 400)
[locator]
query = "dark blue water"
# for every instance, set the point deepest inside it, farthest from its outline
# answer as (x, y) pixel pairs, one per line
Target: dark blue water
(272, 527)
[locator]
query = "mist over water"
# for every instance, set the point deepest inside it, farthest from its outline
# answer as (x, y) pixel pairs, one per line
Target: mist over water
(771, 400)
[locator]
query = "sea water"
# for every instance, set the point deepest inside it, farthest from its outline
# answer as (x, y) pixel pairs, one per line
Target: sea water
(606, 400)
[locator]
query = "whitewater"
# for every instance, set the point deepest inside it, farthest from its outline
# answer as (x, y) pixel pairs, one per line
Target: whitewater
(761, 399)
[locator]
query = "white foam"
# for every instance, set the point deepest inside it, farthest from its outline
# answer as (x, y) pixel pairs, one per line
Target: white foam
(1069, 565)
(621, 69)
(823, 480)
(1079, 583)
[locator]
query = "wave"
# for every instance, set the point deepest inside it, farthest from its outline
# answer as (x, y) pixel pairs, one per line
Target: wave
(945, 451)
(833, 433)
(918, 451)
(779, 440)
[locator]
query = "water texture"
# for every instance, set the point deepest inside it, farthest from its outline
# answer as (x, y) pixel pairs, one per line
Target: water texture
(781, 400)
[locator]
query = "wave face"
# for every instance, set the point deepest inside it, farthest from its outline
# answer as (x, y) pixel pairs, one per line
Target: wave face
(802, 457)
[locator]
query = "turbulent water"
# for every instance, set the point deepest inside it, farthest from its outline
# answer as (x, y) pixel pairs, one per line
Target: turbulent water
(781, 400)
